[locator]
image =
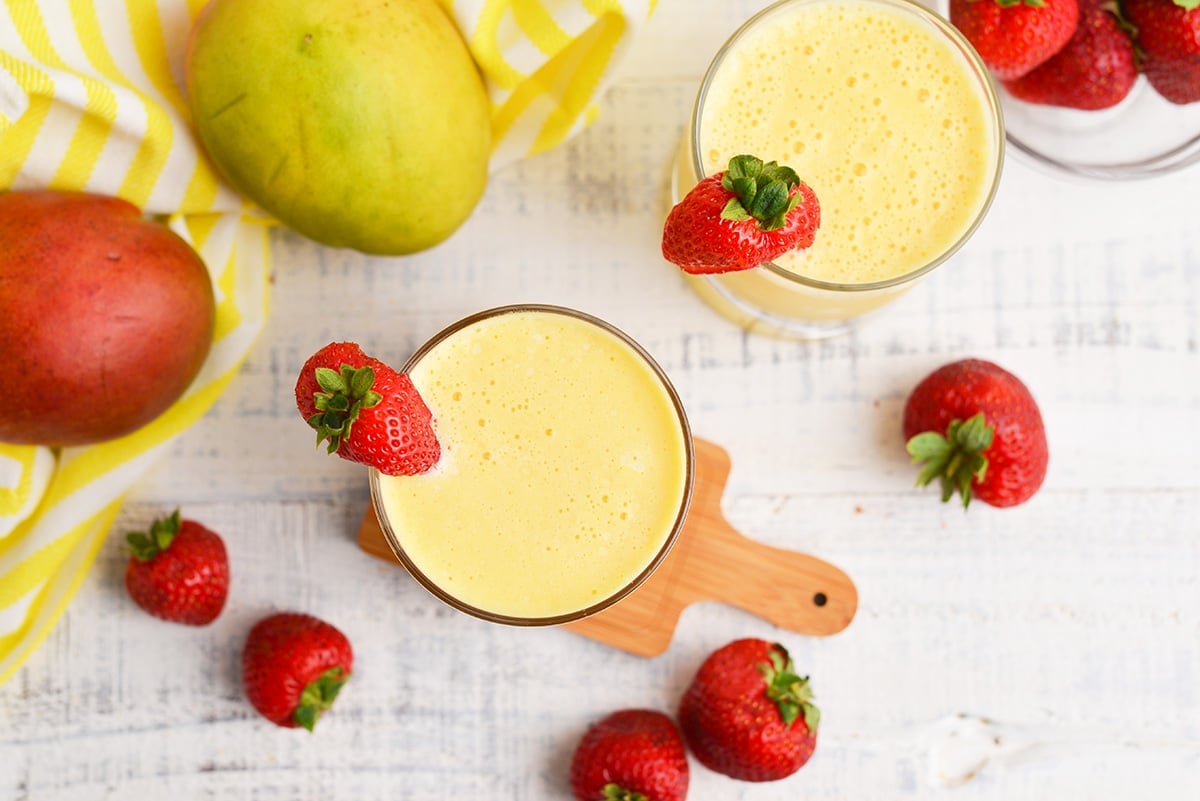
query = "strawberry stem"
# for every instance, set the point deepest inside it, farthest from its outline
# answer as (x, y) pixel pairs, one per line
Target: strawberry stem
(762, 191)
(789, 691)
(956, 458)
(319, 696)
(342, 397)
(615, 792)
(145, 546)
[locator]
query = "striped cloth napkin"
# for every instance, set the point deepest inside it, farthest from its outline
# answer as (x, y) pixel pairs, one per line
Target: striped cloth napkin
(91, 100)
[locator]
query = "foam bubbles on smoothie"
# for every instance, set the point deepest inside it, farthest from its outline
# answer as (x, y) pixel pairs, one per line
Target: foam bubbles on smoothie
(544, 412)
(879, 115)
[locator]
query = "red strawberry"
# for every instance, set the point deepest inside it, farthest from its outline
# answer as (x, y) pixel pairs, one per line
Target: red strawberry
(738, 219)
(1095, 70)
(1014, 36)
(630, 755)
(1178, 82)
(748, 715)
(293, 667)
(1168, 34)
(179, 571)
(366, 411)
(977, 429)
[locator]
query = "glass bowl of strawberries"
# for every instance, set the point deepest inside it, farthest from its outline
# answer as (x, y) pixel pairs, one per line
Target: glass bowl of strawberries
(1104, 89)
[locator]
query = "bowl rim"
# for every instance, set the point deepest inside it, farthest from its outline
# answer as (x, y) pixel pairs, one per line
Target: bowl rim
(1166, 162)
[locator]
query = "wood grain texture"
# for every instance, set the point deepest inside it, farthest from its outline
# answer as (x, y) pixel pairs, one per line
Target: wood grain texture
(1072, 622)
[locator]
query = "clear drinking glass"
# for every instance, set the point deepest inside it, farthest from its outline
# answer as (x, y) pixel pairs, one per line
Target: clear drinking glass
(777, 299)
(613, 348)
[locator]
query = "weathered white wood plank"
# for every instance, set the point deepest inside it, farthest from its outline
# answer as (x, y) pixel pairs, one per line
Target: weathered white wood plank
(1072, 624)
(1074, 627)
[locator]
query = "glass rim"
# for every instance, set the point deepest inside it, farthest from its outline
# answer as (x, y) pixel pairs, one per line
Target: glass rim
(978, 70)
(680, 516)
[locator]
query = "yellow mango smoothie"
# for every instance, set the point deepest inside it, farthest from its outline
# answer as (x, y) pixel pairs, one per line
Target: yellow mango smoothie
(566, 467)
(887, 113)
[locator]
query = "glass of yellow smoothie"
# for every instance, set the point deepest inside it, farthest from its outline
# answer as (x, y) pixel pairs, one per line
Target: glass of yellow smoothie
(886, 111)
(566, 468)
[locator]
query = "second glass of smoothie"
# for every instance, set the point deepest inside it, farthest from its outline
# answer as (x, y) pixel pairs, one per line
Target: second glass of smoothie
(886, 111)
(566, 468)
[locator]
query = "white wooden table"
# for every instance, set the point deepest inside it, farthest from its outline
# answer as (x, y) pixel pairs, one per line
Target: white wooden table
(1051, 651)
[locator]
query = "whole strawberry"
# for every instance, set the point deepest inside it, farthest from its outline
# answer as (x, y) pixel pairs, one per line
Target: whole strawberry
(1096, 69)
(293, 667)
(179, 571)
(978, 430)
(630, 755)
(748, 715)
(1178, 82)
(366, 412)
(740, 218)
(1168, 34)
(1014, 36)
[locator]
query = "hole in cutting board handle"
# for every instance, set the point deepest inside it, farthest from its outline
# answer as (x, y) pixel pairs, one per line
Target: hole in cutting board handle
(820, 599)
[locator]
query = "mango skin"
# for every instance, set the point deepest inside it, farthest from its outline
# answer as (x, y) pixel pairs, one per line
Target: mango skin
(359, 124)
(105, 318)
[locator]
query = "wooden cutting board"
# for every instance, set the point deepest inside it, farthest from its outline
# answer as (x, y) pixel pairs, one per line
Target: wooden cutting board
(709, 562)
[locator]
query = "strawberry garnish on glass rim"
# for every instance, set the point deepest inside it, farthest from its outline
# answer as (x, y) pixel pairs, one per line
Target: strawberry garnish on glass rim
(747, 215)
(366, 412)
(344, 394)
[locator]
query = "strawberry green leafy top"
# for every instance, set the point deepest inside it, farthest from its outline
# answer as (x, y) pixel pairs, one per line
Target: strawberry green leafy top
(318, 697)
(146, 546)
(790, 692)
(956, 459)
(615, 792)
(343, 396)
(761, 191)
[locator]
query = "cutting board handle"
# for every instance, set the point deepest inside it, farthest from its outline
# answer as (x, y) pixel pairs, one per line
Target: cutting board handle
(793, 590)
(789, 588)
(710, 561)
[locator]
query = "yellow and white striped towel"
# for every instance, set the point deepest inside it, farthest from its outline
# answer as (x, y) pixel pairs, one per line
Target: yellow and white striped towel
(91, 99)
